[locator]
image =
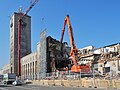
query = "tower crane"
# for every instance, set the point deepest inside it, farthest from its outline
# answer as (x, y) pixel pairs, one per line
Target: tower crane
(19, 33)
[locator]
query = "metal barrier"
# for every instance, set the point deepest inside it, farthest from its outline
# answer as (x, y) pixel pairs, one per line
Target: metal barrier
(103, 84)
(75, 80)
(79, 83)
(75, 83)
(51, 82)
(46, 82)
(58, 82)
(66, 83)
(116, 84)
(87, 83)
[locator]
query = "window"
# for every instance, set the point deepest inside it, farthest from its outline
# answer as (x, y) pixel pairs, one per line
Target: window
(11, 25)
(33, 57)
(28, 68)
(100, 65)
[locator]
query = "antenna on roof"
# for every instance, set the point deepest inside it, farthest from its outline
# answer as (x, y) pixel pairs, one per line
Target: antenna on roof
(20, 9)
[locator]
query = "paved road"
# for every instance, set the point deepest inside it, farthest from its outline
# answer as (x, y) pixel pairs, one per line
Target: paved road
(33, 87)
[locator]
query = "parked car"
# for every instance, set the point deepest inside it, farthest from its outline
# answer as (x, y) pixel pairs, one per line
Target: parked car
(17, 82)
(27, 81)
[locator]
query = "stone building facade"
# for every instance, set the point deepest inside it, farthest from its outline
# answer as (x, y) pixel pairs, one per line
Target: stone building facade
(25, 39)
(29, 66)
(5, 69)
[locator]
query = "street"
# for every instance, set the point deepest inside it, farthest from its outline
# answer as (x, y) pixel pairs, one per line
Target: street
(34, 87)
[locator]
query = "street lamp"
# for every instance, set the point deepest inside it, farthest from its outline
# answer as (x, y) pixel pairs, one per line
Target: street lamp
(80, 74)
(69, 69)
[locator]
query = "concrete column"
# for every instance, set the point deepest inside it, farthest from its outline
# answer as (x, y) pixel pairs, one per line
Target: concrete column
(117, 66)
(22, 73)
(33, 71)
(28, 70)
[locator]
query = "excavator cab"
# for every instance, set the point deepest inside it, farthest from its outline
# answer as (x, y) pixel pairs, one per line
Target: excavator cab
(75, 68)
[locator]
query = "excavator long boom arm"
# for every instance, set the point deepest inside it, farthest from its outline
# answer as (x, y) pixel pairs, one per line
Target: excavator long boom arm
(74, 50)
(67, 21)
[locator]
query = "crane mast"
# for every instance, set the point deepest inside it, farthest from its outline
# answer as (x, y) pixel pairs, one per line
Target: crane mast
(19, 34)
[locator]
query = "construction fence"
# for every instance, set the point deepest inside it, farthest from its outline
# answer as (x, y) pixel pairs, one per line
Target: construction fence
(68, 79)
(88, 83)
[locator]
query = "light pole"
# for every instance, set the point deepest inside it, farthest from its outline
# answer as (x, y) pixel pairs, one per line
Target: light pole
(110, 77)
(94, 76)
(69, 69)
(80, 74)
(93, 72)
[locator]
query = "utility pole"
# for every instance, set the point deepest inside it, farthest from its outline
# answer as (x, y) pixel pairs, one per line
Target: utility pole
(19, 35)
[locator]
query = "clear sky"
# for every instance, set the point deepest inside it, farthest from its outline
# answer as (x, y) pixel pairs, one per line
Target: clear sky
(94, 22)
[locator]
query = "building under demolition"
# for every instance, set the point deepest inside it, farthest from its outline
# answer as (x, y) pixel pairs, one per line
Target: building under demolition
(51, 55)
(104, 60)
(57, 55)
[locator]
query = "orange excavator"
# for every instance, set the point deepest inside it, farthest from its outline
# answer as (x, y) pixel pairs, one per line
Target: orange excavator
(74, 50)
